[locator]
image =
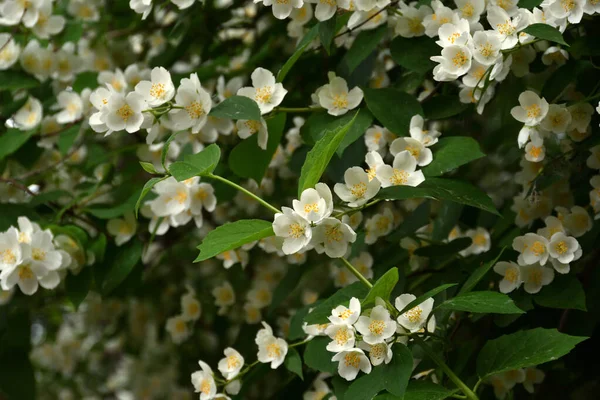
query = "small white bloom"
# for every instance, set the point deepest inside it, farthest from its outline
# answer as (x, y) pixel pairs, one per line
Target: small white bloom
(350, 362)
(124, 112)
(532, 109)
(315, 204)
(265, 91)
(232, 364)
(377, 327)
(332, 236)
(342, 338)
(480, 241)
(342, 315)
(71, 105)
(196, 103)
(533, 376)
(336, 97)
(224, 296)
(562, 247)
(413, 319)
(270, 348)
(30, 115)
(295, 230)
(535, 150)
(379, 225)
(421, 154)
(454, 62)
(402, 171)
(533, 249)
(512, 276)
(535, 277)
(357, 189)
(557, 120)
(247, 128)
(178, 329)
(417, 131)
(190, 307)
(159, 89)
(10, 51)
(378, 353)
(204, 382)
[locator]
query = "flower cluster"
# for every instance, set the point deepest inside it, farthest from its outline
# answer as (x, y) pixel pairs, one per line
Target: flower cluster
(177, 326)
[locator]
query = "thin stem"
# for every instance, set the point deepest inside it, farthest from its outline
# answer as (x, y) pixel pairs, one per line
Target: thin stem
(435, 358)
(479, 382)
(300, 343)
(245, 191)
(357, 209)
(356, 273)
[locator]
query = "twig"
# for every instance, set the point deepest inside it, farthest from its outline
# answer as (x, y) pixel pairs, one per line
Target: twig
(367, 20)
(18, 185)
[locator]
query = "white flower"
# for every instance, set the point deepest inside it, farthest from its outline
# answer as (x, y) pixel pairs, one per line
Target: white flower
(422, 155)
(332, 236)
(441, 15)
(336, 98)
(535, 277)
(173, 198)
(324, 9)
(196, 103)
(426, 137)
(47, 24)
(374, 161)
(30, 115)
(562, 247)
(357, 189)
(581, 116)
(454, 62)
(295, 230)
(457, 33)
(190, 307)
(413, 319)
(512, 276)
(124, 112)
(159, 89)
(71, 105)
(11, 252)
(410, 23)
(342, 315)
(571, 10)
(532, 109)
(224, 296)
(321, 390)
(377, 327)
(43, 254)
(402, 171)
(506, 26)
(247, 128)
(26, 230)
(593, 161)
(378, 353)
(480, 241)
(260, 296)
(377, 138)
(183, 4)
(265, 91)
(9, 51)
(231, 365)
(28, 276)
(178, 329)
(533, 376)
(558, 119)
(470, 10)
(535, 150)
(315, 204)
(226, 90)
(350, 362)
(578, 222)
(342, 338)
(282, 8)
(533, 249)
(14, 11)
(232, 257)
(270, 348)
(204, 382)
(378, 225)
(555, 55)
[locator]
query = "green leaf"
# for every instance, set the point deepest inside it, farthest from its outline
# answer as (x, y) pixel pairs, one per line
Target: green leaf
(447, 218)
(87, 79)
(117, 210)
(286, 286)
(78, 286)
(415, 220)
(414, 53)
(71, 33)
(443, 106)
(148, 167)
(98, 247)
(12, 140)
(383, 287)
(293, 362)
(199, 164)
(124, 261)
(524, 349)
(446, 249)
(564, 292)
(17, 379)
(236, 107)
(147, 187)
(426, 296)
(327, 32)
(317, 357)
(296, 332)
(12, 80)
(478, 274)
(529, 4)
(545, 32)
(67, 138)
(365, 43)
(363, 121)
(232, 235)
(442, 189)
(250, 161)
(320, 313)
(366, 386)
(452, 152)
(397, 373)
(420, 390)
(318, 157)
(306, 40)
(393, 108)
(165, 149)
(482, 302)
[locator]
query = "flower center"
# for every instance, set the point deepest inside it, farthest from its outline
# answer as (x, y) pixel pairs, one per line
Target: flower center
(311, 207)
(8, 257)
(340, 101)
(195, 110)
(359, 189)
(125, 112)
(506, 28)
(535, 152)
(561, 247)
(296, 231)
(486, 50)
(333, 233)
(538, 248)
(533, 111)
(352, 360)
(460, 59)
(399, 177)
(511, 275)
(273, 350)
(25, 273)
(205, 386)
(233, 362)
(376, 327)
(414, 314)
(157, 90)
(38, 254)
(263, 94)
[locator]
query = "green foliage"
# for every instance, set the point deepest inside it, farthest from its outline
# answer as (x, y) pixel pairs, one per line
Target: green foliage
(442, 107)
(306, 40)
(420, 390)
(12, 140)
(414, 53)
(199, 164)
(327, 32)
(293, 362)
(478, 275)
(482, 302)
(524, 349)
(545, 32)
(564, 292)
(232, 235)
(364, 44)
(342, 297)
(450, 153)
(236, 107)
(145, 190)
(383, 287)
(13, 80)
(317, 357)
(427, 295)
(78, 286)
(120, 265)
(393, 108)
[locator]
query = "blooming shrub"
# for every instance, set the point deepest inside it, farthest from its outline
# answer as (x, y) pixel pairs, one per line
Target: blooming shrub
(350, 199)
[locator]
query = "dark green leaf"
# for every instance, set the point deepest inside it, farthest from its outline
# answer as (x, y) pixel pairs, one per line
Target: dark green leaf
(286, 286)
(529, 4)
(443, 106)
(147, 187)
(478, 274)
(306, 40)
(317, 357)
(524, 349)
(293, 362)
(397, 373)
(12, 80)
(482, 302)
(236, 107)
(366, 386)
(452, 152)
(564, 292)
(426, 296)
(545, 32)
(296, 332)
(415, 220)
(447, 218)
(71, 33)
(232, 235)
(12, 140)
(78, 286)
(199, 164)
(67, 138)
(420, 390)
(318, 157)
(250, 161)
(442, 189)
(414, 53)
(393, 108)
(117, 210)
(320, 313)
(327, 32)
(126, 258)
(446, 249)
(165, 149)
(383, 287)
(363, 121)
(87, 79)
(364, 44)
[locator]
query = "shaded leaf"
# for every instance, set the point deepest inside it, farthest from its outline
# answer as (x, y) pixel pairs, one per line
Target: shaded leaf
(482, 302)
(452, 152)
(393, 108)
(293, 362)
(236, 107)
(320, 313)
(383, 287)
(546, 32)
